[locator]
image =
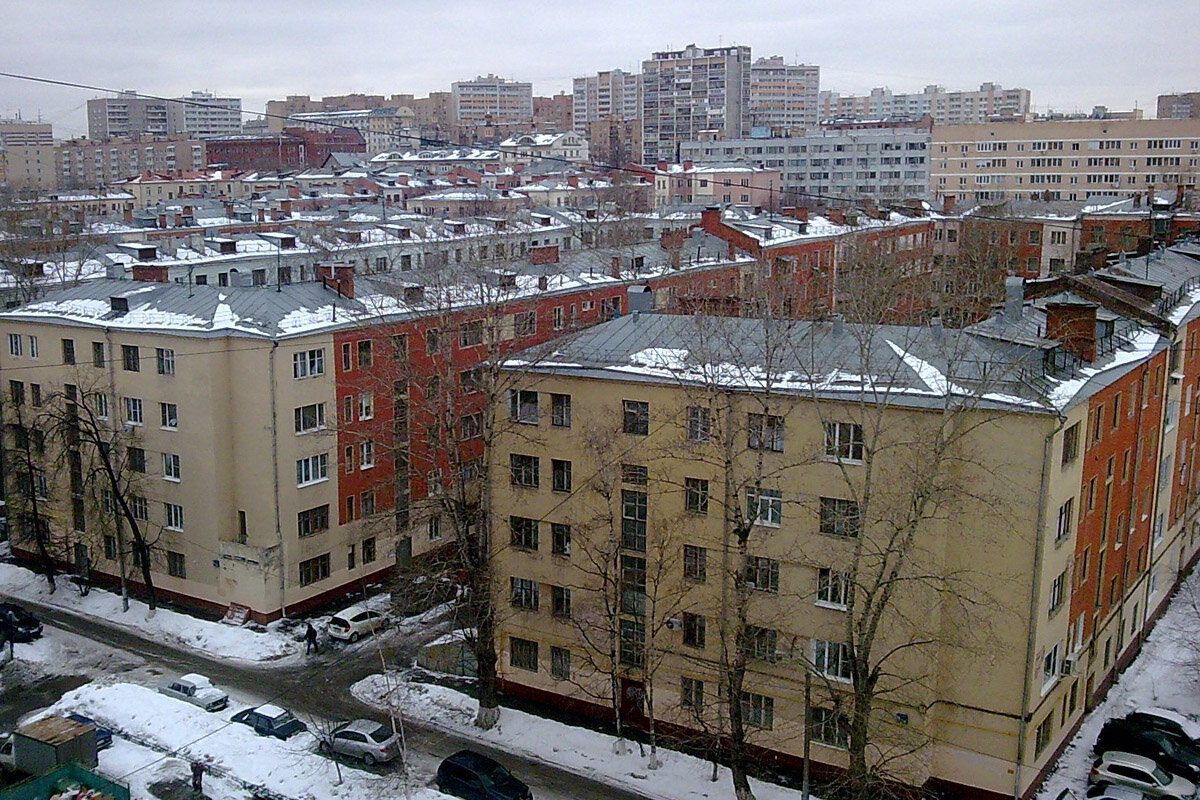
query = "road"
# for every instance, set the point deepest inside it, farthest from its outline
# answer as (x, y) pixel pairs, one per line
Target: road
(320, 689)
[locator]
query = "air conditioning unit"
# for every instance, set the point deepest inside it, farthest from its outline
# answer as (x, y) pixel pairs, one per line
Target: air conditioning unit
(674, 624)
(1068, 666)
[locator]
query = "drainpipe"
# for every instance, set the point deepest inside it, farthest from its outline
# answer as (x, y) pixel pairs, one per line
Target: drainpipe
(1035, 591)
(1157, 494)
(112, 415)
(275, 480)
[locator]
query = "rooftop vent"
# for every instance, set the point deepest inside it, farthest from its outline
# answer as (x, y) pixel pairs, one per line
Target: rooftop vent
(119, 305)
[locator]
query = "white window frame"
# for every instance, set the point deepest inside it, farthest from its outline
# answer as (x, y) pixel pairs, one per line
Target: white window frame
(171, 467)
(769, 501)
(134, 411)
(169, 416)
(366, 406)
(312, 469)
(173, 513)
(833, 588)
(318, 412)
(839, 652)
(308, 363)
(366, 454)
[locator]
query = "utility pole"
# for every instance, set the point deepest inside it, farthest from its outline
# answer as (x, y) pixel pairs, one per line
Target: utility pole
(807, 730)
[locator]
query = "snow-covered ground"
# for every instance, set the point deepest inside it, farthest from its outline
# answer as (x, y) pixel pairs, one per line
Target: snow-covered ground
(1166, 674)
(170, 734)
(578, 750)
(61, 653)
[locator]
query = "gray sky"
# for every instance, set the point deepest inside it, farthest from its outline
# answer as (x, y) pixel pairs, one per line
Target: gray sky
(1070, 54)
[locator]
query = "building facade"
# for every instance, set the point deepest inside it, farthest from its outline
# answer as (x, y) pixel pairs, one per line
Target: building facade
(127, 114)
(783, 97)
(1063, 160)
(491, 99)
(691, 90)
(83, 163)
(609, 94)
(1184, 105)
(204, 116)
(947, 108)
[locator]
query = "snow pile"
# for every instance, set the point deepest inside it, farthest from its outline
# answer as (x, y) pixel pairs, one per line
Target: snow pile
(578, 750)
(291, 767)
(214, 639)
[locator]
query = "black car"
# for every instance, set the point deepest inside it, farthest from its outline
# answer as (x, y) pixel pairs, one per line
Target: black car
(1166, 721)
(1172, 753)
(103, 734)
(474, 776)
(270, 721)
(20, 624)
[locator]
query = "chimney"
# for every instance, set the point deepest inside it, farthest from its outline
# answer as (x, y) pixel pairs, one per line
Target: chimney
(543, 283)
(836, 216)
(796, 212)
(547, 254)
(344, 276)
(662, 166)
(687, 165)
(262, 215)
(286, 206)
(616, 267)
(229, 210)
(1014, 298)
(179, 220)
(127, 214)
(573, 182)
(293, 192)
(156, 273)
(402, 180)
(948, 204)
(188, 211)
(348, 188)
(710, 219)
(162, 220)
(1073, 325)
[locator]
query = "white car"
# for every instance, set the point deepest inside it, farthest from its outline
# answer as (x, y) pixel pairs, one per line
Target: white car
(197, 690)
(355, 622)
(1138, 772)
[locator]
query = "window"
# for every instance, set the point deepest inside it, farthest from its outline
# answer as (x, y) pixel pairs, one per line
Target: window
(765, 432)
(133, 410)
(171, 469)
(762, 573)
(695, 563)
(524, 532)
(758, 710)
(471, 380)
(560, 663)
(400, 346)
(840, 517)
(35, 394)
(523, 654)
(16, 391)
(176, 565)
(1058, 591)
(433, 340)
(164, 360)
(68, 351)
(130, 358)
(1050, 662)
(561, 475)
(559, 324)
(110, 547)
(560, 601)
(693, 630)
(308, 363)
(470, 426)
(633, 642)
(365, 355)
(174, 516)
(523, 406)
(524, 593)
(1066, 513)
(140, 507)
(312, 469)
(636, 474)
(310, 418)
(764, 506)
(633, 585)
(844, 441)
(691, 694)
(524, 470)
(366, 405)
(347, 357)
(137, 459)
(16, 345)
(313, 521)
(348, 408)
(832, 659)
(33, 347)
(351, 508)
(699, 424)
(695, 495)
(560, 410)
(169, 415)
(368, 550)
(525, 323)
(98, 354)
(560, 539)
(633, 519)
(636, 419)
(833, 588)
(471, 334)
(830, 727)
(314, 569)
(1045, 731)
(366, 454)
(760, 643)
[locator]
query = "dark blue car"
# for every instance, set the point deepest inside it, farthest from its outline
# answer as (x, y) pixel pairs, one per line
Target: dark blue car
(474, 776)
(103, 734)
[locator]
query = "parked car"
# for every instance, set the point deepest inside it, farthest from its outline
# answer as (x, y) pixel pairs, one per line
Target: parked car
(8, 761)
(22, 626)
(103, 734)
(352, 623)
(1107, 791)
(1173, 753)
(197, 690)
(268, 720)
(1166, 720)
(362, 738)
(474, 776)
(1141, 773)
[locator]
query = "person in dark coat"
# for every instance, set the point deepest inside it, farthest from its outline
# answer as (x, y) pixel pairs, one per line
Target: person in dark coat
(310, 639)
(197, 776)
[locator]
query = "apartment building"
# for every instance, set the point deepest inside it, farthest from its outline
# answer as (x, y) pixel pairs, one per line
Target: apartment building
(609, 94)
(564, 148)
(204, 115)
(635, 456)
(716, 183)
(783, 97)
(491, 99)
(1063, 160)
(946, 108)
(19, 132)
(691, 90)
(28, 168)
(84, 163)
(555, 112)
(279, 110)
(127, 114)
(889, 163)
(381, 128)
(1183, 105)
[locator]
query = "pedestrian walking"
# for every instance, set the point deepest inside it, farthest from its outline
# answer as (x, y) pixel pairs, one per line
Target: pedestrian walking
(310, 640)
(197, 776)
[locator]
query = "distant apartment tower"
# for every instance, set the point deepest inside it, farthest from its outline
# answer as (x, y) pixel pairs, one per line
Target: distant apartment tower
(947, 108)
(1185, 105)
(205, 116)
(691, 90)
(555, 111)
(610, 94)
(84, 163)
(278, 110)
(126, 115)
(491, 99)
(783, 96)
(19, 132)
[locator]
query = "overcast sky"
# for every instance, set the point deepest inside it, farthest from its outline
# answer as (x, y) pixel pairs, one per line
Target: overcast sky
(1070, 54)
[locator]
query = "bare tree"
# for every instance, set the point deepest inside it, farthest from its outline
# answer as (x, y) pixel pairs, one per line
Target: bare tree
(28, 495)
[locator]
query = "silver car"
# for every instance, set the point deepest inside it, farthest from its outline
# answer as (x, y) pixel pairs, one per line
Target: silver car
(1141, 773)
(362, 738)
(197, 690)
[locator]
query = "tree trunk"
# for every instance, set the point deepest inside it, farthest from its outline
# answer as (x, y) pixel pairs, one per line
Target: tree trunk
(485, 661)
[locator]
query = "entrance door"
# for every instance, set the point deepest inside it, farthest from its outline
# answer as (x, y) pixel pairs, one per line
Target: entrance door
(633, 704)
